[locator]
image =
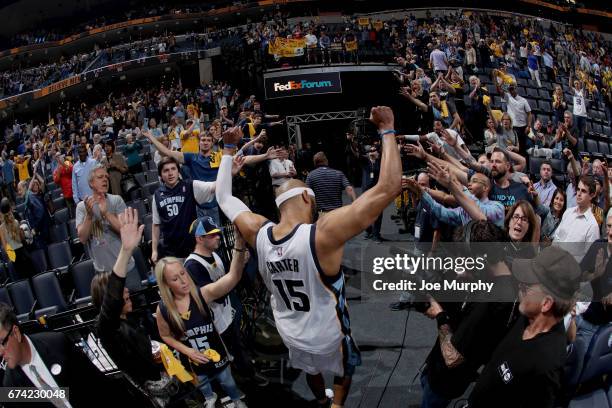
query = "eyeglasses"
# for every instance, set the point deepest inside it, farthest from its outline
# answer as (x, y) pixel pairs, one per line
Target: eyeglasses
(518, 218)
(6, 338)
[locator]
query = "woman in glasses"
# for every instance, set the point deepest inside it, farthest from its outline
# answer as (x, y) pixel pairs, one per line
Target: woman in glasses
(185, 322)
(523, 228)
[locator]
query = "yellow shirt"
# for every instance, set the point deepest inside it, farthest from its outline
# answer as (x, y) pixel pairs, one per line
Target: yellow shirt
(190, 143)
(22, 167)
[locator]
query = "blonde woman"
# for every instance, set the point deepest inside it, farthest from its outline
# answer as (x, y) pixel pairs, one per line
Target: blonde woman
(559, 105)
(11, 234)
(185, 322)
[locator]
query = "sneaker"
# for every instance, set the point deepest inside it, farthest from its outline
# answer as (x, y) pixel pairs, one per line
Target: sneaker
(211, 401)
(367, 236)
(238, 404)
(377, 240)
(397, 306)
(260, 380)
(530, 151)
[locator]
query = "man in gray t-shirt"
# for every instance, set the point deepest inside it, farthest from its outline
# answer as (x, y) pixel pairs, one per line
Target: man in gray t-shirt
(97, 222)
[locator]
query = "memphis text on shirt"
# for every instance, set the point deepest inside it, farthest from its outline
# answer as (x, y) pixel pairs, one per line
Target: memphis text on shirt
(425, 286)
(171, 200)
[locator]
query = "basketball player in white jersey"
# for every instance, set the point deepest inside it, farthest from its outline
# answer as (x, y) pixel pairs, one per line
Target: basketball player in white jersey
(300, 261)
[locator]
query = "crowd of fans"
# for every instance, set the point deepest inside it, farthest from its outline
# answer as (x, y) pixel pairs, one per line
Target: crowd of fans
(489, 170)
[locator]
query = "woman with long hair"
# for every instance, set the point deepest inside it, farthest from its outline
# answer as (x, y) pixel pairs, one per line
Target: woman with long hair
(523, 228)
(185, 322)
(11, 234)
(553, 216)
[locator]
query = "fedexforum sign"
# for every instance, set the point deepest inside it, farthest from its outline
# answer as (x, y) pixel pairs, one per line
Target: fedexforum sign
(303, 84)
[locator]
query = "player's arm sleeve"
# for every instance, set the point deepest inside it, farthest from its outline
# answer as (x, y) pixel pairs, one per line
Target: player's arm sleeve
(230, 205)
(203, 191)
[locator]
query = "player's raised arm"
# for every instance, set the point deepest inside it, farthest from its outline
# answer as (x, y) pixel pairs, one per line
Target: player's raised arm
(342, 224)
(247, 222)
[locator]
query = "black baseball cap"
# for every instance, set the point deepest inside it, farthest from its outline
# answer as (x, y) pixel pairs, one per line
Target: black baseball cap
(553, 268)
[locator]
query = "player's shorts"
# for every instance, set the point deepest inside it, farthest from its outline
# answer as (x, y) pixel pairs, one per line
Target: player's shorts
(341, 362)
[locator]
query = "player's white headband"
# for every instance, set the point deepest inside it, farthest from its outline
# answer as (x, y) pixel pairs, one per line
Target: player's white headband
(292, 193)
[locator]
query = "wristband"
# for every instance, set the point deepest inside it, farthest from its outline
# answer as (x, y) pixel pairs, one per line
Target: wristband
(229, 146)
(443, 318)
(386, 132)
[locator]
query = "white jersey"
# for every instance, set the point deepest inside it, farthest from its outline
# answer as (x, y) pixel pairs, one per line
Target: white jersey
(223, 313)
(579, 103)
(306, 310)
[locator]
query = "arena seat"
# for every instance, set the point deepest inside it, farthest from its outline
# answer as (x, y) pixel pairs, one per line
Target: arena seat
(39, 259)
(533, 93)
(591, 146)
(59, 203)
(56, 193)
(58, 233)
(544, 106)
(5, 297)
(22, 298)
(61, 216)
(150, 187)
(533, 104)
(82, 274)
(140, 206)
(140, 178)
(598, 359)
(596, 398)
(48, 293)
(544, 94)
(603, 148)
(558, 165)
(152, 176)
(60, 255)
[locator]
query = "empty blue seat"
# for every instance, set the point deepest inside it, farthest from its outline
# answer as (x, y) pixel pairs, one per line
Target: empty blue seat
(48, 293)
(22, 297)
(82, 274)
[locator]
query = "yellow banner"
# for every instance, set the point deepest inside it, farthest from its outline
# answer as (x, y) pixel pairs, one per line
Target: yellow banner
(57, 86)
(351, 45)
(363, 21)
(287, 48)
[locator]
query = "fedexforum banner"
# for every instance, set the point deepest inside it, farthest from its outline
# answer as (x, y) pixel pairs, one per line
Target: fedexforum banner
(303, 84)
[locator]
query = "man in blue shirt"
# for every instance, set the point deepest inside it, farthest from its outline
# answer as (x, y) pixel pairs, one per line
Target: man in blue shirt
(474, 203)
(8, 177)
(80, 175)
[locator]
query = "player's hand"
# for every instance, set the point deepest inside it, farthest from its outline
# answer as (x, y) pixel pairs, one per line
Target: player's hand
(382, 117)
(232, 135)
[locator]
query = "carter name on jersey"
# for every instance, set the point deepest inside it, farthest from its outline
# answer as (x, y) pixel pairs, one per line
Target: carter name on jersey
(284, 265)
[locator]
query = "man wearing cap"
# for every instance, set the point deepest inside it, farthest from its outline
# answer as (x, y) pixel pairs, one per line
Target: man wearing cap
(526, 368)
(205, 267)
